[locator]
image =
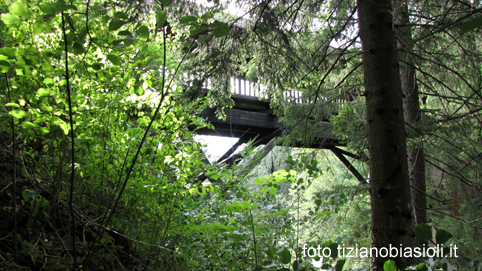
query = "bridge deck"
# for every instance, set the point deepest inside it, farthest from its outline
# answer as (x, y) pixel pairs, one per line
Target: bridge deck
(251, 118)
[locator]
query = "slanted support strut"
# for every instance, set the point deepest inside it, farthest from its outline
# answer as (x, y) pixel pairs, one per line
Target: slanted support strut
(351, 168)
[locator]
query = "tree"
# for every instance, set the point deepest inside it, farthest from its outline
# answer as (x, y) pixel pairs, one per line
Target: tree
(391, 216)
(103, 82)
(88, 81)
(412, 114)
(317, 64)
(447, 79)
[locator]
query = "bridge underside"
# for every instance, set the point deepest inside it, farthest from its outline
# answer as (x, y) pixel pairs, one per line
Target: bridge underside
(252, 119)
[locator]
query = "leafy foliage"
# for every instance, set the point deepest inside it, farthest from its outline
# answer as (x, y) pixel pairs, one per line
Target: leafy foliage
(137, 198)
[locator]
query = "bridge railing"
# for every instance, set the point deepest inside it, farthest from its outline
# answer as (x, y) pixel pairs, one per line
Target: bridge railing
(244, 87)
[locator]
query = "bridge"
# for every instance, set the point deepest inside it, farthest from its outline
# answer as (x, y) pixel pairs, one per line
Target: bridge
(252, 119)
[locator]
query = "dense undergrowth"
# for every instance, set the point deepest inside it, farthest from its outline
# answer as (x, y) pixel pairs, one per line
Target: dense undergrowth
(99, 169)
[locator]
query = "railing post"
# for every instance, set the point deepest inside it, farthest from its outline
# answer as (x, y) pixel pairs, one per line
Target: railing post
(239, 84)
(244, 86)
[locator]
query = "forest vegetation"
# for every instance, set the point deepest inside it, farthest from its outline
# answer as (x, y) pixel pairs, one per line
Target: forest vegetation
(100, 104)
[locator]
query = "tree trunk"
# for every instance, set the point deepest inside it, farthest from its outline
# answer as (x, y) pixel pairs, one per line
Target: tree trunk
(411, 108)
(391, 212)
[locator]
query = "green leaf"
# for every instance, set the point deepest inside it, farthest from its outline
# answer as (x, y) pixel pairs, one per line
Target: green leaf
(424, 231)
(12, 104)
(187, 19)
(116, 24)
(207, 15)
(29, 125)
(97, 66)
(333, 249)
(472, 24)
(39, 27)
(36, 208)
(197, 30)
(71, 22)
(81, 35)
(20, 9)
(143, 32)
(47, 67)
(285, 256)
(28, 194)
(147, 61)
(236, 205)
(63, 126)
(48, 9)
(18, 114)
(10, 19)
(9, 52)
(78, 48)
(271, 252)
(70, 36)
(422, 267)
(220, 29)
(61, 6)
(5, 65)
(125, 33)
(161, 18)
(296, 265)
(166, 3)
(340, 263)
(120, 15)
(118, 44)
(442, 236)
(114, 59)
(389, 266)
(42, 92)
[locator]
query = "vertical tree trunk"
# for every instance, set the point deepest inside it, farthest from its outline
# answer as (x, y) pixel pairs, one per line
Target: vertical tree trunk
(411, 108)
(391, 212)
